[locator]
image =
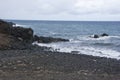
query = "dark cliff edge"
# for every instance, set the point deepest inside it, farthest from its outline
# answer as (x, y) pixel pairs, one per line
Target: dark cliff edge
(17, 37)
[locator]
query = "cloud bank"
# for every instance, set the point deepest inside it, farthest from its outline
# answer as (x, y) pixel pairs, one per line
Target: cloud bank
(60, 9)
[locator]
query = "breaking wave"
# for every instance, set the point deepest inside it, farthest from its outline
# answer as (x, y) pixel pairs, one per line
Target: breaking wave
(103, 46)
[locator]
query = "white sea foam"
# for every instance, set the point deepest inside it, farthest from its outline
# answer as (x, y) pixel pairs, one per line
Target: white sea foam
(103, 40)
(53, 33)
(18, 25)
(86, 46)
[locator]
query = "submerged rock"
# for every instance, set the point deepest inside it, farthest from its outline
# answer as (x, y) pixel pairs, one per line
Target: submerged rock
(95, 36)
(98, 36)
(104, 34)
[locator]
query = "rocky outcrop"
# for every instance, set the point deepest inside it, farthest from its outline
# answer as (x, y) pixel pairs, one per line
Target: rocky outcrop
(5, 27)
(42, 39)
(23, 34)
(16, 37)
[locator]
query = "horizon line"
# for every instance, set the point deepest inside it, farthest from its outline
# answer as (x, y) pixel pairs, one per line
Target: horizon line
(63, 20)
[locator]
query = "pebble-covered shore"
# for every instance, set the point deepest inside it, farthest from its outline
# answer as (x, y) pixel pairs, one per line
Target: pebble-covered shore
(46, 65)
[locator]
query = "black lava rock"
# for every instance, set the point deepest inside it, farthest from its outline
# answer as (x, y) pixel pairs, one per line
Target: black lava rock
(25, 34)
(104, 34)
(42, 39)
(95, 36)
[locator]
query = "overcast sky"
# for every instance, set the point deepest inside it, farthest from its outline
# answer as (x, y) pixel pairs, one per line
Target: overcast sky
(60, 9)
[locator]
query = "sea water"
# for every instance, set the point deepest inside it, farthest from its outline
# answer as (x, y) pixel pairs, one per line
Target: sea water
(79, 32)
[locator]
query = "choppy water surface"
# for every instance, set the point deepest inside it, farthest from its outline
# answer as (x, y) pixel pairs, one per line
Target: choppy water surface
(78, 33)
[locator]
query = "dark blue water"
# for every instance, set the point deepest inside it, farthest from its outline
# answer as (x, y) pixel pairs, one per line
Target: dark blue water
(71, 28)
(78, 32)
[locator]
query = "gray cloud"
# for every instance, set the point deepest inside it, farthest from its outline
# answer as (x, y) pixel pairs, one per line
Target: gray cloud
(60, 9)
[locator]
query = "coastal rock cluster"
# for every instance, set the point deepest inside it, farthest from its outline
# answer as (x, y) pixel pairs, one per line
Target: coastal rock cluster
(17, 37)
(14, 37)
(98, 36)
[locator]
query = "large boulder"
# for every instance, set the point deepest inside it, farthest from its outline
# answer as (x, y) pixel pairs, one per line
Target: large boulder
(23, 34)
(5, 27)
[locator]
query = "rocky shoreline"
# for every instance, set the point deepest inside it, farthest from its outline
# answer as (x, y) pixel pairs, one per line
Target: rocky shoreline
(17, 37)
(20, 60)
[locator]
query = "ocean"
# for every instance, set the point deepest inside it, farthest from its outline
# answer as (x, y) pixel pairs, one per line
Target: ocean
(79, 32)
